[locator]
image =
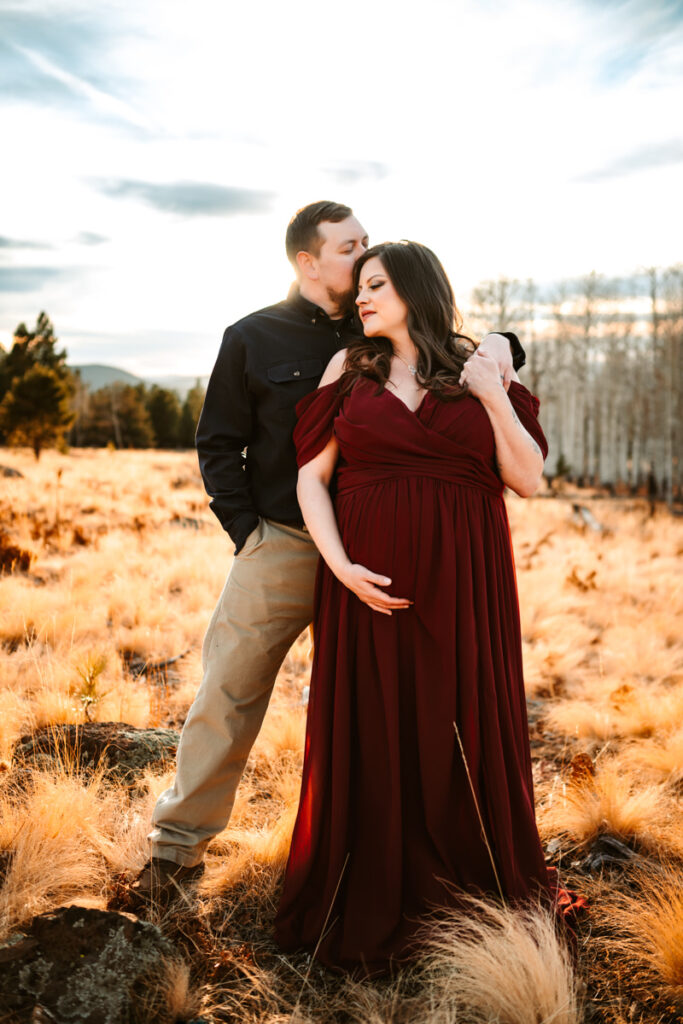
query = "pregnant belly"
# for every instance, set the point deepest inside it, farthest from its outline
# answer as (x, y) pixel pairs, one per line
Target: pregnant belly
(421, 531)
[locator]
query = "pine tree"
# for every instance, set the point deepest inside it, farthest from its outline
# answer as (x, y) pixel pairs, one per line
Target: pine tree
(115, 414)
(35, 382)
(33, 348)
(36, 410)
(164, 411)
(189, 417)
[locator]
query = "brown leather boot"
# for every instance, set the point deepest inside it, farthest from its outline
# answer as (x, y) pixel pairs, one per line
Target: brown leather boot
(162, 881)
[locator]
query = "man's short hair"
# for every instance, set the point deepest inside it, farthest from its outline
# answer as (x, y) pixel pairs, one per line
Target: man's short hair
(302, 231)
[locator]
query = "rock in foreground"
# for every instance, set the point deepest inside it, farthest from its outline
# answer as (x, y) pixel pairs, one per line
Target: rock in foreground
(123, 750)
(87, 967)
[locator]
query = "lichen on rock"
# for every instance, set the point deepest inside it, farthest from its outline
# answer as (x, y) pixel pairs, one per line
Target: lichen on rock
(85, 966)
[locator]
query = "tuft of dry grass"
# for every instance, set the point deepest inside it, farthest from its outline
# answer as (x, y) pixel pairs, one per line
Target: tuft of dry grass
(661, 758)
(168, 996)
(647, 924)
(249, 855)
(609, 801)
(606, 711)
(494, 963)
(53, 844)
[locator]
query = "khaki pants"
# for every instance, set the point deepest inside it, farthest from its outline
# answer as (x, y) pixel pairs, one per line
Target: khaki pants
(266, 603)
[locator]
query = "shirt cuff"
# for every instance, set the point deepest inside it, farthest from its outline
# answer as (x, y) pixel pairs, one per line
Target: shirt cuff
(518, 353)
(241, 527)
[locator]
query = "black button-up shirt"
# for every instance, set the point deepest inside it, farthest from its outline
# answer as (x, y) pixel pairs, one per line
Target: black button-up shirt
(266, 363)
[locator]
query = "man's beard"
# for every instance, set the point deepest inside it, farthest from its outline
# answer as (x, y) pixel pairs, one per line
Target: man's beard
(342, 300)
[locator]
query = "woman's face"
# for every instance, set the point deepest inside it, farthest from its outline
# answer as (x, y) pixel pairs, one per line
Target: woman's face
(383, 313)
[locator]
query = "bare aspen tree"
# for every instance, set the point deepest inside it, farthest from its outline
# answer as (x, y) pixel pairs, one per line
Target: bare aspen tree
(606, 360)
(529, 340)
(561, 383)
(673, 374)
(493, 306)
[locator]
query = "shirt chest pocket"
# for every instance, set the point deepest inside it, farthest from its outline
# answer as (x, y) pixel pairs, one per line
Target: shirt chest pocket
(291, 381)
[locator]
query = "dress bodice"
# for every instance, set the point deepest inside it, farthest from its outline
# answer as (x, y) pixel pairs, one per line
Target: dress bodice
(380, 438)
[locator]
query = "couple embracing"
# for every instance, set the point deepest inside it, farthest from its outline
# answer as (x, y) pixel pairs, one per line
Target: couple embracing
(393, 539)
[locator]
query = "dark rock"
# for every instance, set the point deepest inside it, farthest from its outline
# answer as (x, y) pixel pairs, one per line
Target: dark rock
(138, 666)
(123, 750)
(554, 846)
(10, 471)
(83, 966)
(606, 849)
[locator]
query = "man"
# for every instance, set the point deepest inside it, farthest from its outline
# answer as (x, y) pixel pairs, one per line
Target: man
(267, 362)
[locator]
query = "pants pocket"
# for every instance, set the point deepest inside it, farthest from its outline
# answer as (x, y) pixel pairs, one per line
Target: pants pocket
(253, 540)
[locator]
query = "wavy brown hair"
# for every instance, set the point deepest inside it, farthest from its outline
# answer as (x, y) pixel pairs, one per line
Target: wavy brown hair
(433, 322)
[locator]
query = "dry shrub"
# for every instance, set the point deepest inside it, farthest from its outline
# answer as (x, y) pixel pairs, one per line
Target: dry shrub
(254, 856)
(660, 758)
(59, 688)
(53, 841)
(608, 801)
(650, 653)
(648, 922)
(167, 996)
(12, 557)
(400, 1000)
(282, 735)
(131, 821)
(61, 833)
(13, 718)
(607, 711)
(498, 964)
(554, 651)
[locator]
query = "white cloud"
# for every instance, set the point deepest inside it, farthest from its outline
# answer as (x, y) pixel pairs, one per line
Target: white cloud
(102, 101)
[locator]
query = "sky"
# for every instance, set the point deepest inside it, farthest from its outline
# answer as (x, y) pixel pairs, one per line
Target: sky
(154, 151)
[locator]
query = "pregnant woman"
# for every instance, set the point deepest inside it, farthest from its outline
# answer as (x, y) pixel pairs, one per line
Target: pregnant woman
(417, 775)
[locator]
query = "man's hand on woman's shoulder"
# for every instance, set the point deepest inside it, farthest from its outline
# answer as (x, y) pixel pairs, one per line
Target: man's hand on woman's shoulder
(498, 347)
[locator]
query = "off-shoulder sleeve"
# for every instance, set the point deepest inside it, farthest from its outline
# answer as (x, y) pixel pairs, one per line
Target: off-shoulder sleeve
(316, 413)
(526, 406)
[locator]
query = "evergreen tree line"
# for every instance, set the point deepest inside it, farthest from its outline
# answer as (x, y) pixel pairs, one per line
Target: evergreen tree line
(43, 403)
(135, 416)
(605, 357)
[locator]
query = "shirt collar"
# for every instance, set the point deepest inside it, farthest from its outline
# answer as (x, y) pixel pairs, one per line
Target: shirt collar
(311, 311)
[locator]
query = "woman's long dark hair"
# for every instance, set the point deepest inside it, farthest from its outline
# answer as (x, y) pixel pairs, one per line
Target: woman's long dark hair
(433, 323)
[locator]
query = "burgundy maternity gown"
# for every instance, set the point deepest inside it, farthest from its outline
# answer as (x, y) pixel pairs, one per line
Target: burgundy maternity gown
(387, 826)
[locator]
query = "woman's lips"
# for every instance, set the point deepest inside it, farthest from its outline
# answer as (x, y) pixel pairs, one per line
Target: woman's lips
(366, 314)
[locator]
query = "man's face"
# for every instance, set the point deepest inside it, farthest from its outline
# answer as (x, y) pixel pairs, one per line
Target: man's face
(343, 243)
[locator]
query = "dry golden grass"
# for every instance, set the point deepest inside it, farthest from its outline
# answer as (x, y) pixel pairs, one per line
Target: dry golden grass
(497, 964)
(126, 565)
(55, 836)
(648, 924)
(614, 802)
(169, 996)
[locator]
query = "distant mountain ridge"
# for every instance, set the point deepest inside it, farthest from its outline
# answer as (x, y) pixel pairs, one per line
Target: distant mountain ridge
(98, 375)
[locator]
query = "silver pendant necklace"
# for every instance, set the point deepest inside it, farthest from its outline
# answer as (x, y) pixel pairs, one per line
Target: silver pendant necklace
(411, 368)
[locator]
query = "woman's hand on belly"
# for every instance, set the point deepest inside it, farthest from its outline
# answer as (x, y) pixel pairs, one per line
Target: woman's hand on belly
(366, 586)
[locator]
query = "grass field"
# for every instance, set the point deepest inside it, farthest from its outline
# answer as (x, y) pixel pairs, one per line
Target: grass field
(113, 559)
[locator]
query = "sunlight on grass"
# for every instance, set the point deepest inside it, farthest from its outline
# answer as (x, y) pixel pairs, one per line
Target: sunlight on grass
(125, 571)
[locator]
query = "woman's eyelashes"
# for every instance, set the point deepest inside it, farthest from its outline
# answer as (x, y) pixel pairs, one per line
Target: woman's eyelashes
(372, 287)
